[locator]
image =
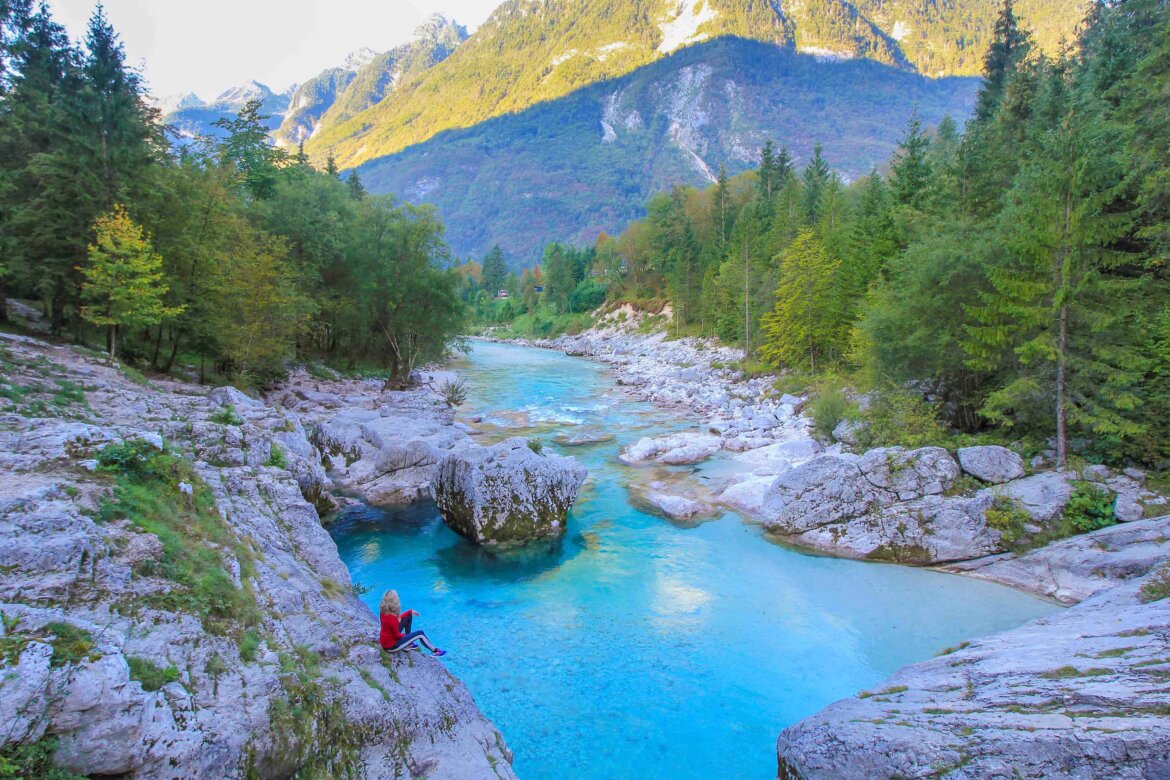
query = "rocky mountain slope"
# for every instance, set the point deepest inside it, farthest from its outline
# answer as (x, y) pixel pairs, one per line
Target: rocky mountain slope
(366, 79)
(172, 606)
(571, 168)
(531, 51)
(191, 117)
(330, 97)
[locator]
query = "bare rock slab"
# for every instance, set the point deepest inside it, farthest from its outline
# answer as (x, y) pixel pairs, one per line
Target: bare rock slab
(991, 464)
(1078, 695)
(507, 495)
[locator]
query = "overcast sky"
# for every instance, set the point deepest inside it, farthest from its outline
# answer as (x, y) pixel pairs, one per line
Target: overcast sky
(208, 46)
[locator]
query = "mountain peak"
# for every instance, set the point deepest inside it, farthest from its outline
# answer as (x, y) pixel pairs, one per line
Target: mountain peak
(360, 58)
(236, 97)
(438, 26)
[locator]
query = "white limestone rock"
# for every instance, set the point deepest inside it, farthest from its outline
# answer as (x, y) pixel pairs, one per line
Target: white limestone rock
(507, 495)
(675, 450)
(991, 464)
(1081, 694)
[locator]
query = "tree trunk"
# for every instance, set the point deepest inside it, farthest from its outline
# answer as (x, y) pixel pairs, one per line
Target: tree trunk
(174, 352)
(111, 341)
(3, 299)
(1061, 369)
(747, 305)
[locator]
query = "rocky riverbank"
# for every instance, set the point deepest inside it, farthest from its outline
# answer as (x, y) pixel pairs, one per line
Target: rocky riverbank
(171, 604)
(1083, 694)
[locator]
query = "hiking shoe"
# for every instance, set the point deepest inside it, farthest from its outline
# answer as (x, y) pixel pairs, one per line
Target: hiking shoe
(439, 653)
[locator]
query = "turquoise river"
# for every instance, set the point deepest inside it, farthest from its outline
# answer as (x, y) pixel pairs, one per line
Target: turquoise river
(635, 647)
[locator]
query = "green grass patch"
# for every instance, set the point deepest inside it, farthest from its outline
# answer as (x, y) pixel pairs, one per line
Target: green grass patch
(151, 675)
(1069, 672)
(146, 492)
(829, 407)
(1157, 585)
(276, 458)
(1009, 518)
(249, 645)
(227, 416)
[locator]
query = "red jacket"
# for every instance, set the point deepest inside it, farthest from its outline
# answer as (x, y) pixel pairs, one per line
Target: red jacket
(391, 629)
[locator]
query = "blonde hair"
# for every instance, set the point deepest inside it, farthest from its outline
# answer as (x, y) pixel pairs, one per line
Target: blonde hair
(390, 603)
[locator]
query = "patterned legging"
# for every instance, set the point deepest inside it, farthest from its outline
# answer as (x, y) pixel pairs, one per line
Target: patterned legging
(412, 638)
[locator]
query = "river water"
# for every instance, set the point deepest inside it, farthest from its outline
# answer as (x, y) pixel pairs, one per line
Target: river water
(635, 647)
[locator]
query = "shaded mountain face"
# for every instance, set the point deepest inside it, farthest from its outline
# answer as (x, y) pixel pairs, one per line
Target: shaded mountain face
(531, 51)
(571, 168)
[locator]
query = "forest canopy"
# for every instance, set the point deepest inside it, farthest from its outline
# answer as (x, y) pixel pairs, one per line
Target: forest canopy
(226, 253)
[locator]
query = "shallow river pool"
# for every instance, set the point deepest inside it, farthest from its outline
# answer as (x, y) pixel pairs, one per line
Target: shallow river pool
(634, 647)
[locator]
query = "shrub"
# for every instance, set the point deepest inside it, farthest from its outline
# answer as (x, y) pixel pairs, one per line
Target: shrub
(130, 457)
(32, 760)
(1089, 508)
(453, 392)
(151, 675)
(536, 445)
(276, 458)
(829, 407)
(227, 416)
(1157, 586)
(1009, 518)
(899, 417)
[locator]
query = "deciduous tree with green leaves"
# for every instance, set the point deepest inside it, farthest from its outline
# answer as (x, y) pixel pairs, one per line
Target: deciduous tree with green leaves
(124, 285)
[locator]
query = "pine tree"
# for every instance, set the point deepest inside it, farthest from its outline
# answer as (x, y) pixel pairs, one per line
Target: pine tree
(1009, 47)
(44, 213)
(911, 167)
(353, 183)
(768, 170)
(331, 165)
(722, 204)
(124, 139)
(1052, 314)
(494, 271)
(247, 148)
(124, 284)
(815, 177)
(805, 325)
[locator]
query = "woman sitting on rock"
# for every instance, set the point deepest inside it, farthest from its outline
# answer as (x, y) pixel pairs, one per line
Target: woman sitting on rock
(396, 634)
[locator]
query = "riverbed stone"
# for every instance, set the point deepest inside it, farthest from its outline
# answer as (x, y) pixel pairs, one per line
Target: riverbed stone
(678, 449)
(1077, 695)
(991, 464)
(507, 495)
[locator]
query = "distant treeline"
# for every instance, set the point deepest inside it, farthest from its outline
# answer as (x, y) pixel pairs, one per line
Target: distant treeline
(1014, 272)
(228, 253)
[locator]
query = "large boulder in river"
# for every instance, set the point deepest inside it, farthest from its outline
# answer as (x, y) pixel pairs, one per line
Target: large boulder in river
(836, 488)
(991, 464)
(506, 495)
(885, 505)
